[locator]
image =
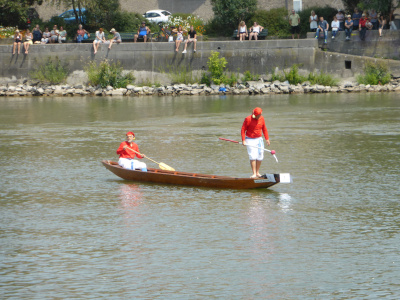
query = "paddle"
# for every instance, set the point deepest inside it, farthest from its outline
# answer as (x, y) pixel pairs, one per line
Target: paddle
(161, 165)
(236, 142)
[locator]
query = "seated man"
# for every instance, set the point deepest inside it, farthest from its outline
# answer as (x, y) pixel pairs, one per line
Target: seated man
(116, 38)
(127, 152)
(143, 31)
(192, 38)
(322, 26)
(54, 35)
(81, 34)
(37, 34)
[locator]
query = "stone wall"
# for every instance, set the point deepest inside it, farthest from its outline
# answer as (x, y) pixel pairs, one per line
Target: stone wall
(260, 57)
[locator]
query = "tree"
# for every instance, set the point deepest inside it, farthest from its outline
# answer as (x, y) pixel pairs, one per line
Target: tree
(384, 7)
(15, 13)
(228, 13)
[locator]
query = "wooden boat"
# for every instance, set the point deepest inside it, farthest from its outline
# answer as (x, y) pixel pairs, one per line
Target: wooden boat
(192, 179)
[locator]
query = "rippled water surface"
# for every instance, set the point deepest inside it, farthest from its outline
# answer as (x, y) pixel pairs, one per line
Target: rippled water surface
(71, 229)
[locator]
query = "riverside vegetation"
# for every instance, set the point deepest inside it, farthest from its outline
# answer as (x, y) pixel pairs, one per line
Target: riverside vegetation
(108, 78)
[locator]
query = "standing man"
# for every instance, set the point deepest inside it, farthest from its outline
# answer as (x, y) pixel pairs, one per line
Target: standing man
(127, 152)
(294, 21)
(252, 129)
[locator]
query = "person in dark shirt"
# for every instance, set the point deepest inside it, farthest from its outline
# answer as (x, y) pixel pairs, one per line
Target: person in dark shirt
(192, 38)
(322, 26)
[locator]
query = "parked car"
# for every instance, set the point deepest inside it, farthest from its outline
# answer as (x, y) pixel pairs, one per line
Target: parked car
(157, 16)
(69, 16)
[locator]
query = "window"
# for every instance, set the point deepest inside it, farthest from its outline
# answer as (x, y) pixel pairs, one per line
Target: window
(297, 5)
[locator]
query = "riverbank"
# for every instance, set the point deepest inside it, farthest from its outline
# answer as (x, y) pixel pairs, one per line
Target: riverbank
(249, 88)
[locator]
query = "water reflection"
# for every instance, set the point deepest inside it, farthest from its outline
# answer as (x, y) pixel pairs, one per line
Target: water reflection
(285, 202)
(131, 198)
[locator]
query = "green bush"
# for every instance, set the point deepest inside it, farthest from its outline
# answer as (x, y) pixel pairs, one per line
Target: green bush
(52, 72)
(322, 79)
(106, 74)
(248, 76)
(275, 20)
(130, 22)
(293, 75)
(375, 73)
(216, 67)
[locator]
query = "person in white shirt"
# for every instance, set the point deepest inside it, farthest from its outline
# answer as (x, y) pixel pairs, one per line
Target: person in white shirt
(313, 21)
(335, 27)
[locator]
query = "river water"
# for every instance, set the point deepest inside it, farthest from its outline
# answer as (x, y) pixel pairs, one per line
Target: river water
(70, 229)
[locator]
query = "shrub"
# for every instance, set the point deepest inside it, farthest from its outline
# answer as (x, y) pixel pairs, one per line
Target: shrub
(106, 74)
(277, 77)
(293, 75)
(322, 79)
(375, 73)
(275, 20)
(130, 22)
(186, 20)
(52, 72)
(216, 66)
(248, 76)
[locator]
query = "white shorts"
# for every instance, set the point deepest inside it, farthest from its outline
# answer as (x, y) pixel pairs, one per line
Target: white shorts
(255, 153)
(132, 164)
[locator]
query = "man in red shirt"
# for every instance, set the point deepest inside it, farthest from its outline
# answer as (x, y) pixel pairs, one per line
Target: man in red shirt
(252, 129)
(362, 27)
(126, 152)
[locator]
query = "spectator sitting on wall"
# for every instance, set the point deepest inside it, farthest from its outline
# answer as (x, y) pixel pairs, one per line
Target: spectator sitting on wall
(322, 26)
(37, 34)
(335, 27)
(98, 40)
(255, 31)
(340, 18)
(54, 35)
(382, 24)
(62, 35)
(116, 38)
(179, 36)
(362, 27)
(28, 40)
(242, 31)
(313, 21)
(356, 18)
(294, 21)
(81, 34)
(348, 27)
(143, 32)
(369, 24)
(374, 19)
(17, 41)
(192, 38)
(45, 36)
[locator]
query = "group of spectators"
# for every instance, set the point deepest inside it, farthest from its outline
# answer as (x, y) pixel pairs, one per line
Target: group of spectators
(60, 35)
(358, 21)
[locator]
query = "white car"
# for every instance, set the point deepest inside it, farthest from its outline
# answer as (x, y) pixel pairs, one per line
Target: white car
(157, 16)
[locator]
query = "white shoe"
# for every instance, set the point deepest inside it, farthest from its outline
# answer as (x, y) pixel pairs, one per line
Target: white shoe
(194, 50)
(333, 38)
(184, 51)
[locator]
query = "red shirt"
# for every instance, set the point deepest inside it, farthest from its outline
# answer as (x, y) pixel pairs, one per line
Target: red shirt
(254, 128)
(128, 153)
(363, 22)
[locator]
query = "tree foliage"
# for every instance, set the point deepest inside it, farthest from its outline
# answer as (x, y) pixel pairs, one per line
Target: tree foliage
(15, 12)
(384, 7)
(228, 13)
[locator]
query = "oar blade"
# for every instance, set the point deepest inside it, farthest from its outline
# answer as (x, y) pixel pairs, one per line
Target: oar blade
(164, 166)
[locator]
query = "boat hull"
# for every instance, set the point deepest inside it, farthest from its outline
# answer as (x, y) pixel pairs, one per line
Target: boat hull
(190, 179)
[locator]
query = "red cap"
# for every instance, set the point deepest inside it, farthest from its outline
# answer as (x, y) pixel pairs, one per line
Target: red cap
(130, 133)
(257, 111)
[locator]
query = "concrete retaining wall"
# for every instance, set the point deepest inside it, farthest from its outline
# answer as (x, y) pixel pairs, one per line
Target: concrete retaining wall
(259, 57)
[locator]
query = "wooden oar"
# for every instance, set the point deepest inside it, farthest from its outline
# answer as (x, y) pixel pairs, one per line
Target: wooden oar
(236, 142)
(161, 165)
